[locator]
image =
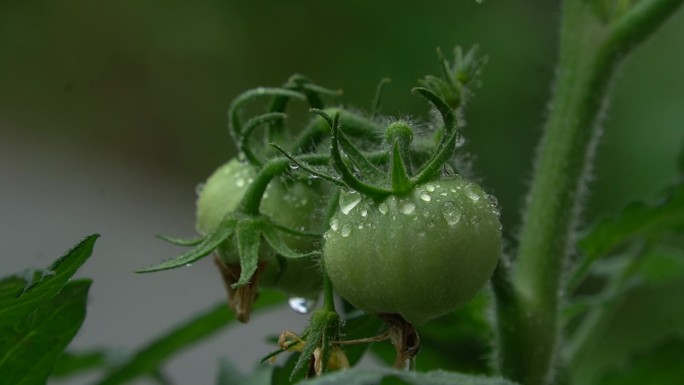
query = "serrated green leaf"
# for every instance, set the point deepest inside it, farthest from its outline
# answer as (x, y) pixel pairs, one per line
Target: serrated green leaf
(30, 348)
(637, 220)
(650, 221)
(18, 297)
(204, 248)
(661, 364)
(373, 377)
(150, 357)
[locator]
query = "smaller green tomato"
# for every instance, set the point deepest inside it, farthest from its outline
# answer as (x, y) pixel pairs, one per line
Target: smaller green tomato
(420, 256)
(292, 204)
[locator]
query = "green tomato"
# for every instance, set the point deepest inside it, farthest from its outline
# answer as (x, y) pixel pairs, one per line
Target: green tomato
(292, 204)
(420, 256)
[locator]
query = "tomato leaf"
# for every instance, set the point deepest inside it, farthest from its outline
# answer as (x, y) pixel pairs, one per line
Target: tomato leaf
(20, 296)
(650, 221)
(150, 357)
(30, 348)
(357, 376)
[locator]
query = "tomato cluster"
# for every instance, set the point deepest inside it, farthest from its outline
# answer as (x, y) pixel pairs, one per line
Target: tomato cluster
(389, 225)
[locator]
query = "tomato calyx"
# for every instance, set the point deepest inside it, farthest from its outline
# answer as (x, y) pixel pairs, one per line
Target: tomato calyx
(367, 178)
(317, 345)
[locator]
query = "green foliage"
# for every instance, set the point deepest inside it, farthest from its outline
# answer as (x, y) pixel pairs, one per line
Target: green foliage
(376, 376)
(39, 315)
(32, 346)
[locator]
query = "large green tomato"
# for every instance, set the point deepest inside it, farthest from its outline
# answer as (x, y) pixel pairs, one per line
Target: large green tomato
(420, 256)
(292, 204)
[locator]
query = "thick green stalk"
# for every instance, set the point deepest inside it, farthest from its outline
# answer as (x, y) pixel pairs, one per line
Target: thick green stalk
(529, 325)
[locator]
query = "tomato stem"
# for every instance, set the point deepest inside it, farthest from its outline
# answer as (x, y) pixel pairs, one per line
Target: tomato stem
(590, 50)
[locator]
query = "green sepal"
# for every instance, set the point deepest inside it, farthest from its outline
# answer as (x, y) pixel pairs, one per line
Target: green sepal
(308, 168)
(280, 247)
(208, 244)
(341, 167)
(250, 126)
(233, 110)
(432, 166)
(248, 234)
(377, 100)
(450, 122)
(314, 336)
(181, 241)
(401, 183)
(368, 169)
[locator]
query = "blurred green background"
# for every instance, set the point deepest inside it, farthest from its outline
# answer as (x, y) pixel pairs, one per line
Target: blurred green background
(124, 104)
(152, 79)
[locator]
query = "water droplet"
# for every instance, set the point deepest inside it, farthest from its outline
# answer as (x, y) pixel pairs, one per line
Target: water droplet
(188, 264)
(408, 208)
(301, 305)
(460, 141)
(472, 193)
(346, 230)
(492, 200)
(348, 202)
(430, 188)
(443, 194)
(360, 226)
(364, 213)
(334, 224)
(425, 196)
(240, 182)
(451, 213)
(294, 166)
(383, 208)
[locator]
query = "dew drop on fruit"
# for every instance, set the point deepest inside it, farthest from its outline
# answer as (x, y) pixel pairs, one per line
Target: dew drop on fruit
(471, 193)
(451, 213)
(294, 166)
(240, 182)
(430, 188)
(334, 224)
(348, 202)
(364, 213)
(383, 208)
(408, 208)
(346, 230)
(425, 196)
(301, 305)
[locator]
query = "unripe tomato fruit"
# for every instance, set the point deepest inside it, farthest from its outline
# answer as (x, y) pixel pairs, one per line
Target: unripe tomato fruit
(421, 256)
(291, 204)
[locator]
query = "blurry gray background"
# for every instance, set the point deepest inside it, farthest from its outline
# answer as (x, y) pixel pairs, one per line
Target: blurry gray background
(112, 113)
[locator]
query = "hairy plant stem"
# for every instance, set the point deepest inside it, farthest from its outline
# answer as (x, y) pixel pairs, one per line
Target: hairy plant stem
(529, 324)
